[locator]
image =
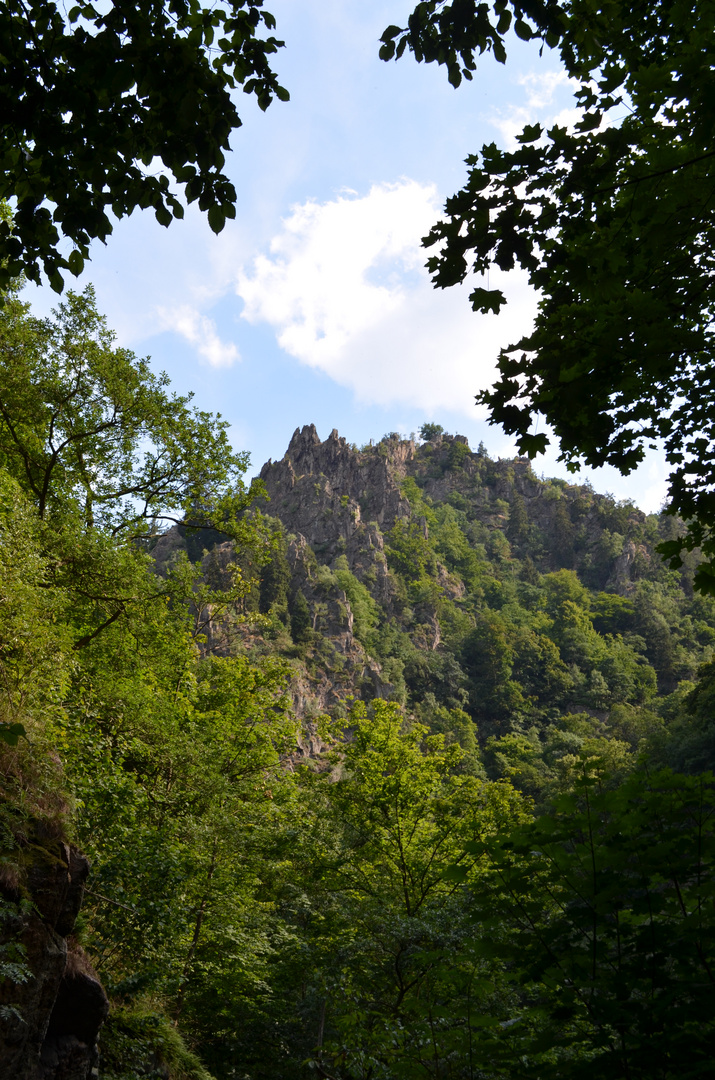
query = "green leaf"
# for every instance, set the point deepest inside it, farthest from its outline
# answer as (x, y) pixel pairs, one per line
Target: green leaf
(487, 300)
(455, 873)
(163, 215)
(75, 263)
(217, 218)
(12, 733)
(530, 133)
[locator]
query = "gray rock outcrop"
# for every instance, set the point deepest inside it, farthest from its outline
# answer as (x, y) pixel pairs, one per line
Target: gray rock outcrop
(337, 497)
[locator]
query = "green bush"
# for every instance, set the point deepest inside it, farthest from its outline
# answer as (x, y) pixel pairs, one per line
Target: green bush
(365, 611)
(142, 1045)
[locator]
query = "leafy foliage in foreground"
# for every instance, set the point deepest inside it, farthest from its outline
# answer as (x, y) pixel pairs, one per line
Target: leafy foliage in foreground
(612, 220)
(603, 911)
(91, 97)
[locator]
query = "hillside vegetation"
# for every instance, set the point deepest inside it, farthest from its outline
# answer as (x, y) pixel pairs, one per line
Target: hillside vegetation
(393, 764)
(527, 620)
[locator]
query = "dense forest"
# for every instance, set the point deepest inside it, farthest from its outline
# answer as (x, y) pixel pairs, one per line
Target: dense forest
(391, 764)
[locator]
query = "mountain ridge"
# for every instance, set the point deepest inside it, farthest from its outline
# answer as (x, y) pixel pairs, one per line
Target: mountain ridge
(404, 569)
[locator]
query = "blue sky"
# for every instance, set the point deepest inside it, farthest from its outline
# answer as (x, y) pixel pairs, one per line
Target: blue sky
(314, 306)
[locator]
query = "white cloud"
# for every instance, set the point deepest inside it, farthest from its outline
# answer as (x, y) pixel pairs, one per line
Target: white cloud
(345, 288)
(544, 93)
(543, 86)
(200, 331)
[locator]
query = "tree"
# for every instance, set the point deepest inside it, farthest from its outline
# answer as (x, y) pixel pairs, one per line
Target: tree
(402, 813)
(170, 757)
(430, 431)
(602, 912)
(175, 788)
(300, 620)
(518, 526)
(90, 99)
(488, 657)
(275, 580)
(612, 220)
(34, 639)
(89, 431)
(365, 611)
(106, 455)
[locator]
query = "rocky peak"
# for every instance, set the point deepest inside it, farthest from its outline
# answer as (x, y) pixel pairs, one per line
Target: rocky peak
(339, 504)
(330, 492)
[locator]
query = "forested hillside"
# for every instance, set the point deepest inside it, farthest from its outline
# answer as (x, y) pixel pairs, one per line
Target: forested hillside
(390, 765)
(393, 764)
(522, 618)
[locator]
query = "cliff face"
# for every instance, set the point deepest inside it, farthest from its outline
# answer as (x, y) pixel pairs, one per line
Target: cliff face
(52, 1004)
(329, 492)
(393, 554)
(341, 501)
(345, 501)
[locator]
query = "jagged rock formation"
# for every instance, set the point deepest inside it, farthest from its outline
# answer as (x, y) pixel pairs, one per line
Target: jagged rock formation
(344, 500)
(330, 493)
(372, 623)
(341, 501)
(52, 1004)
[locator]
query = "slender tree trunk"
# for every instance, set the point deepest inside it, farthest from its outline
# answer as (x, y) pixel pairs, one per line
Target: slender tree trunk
(321, 1022)
(200, 912)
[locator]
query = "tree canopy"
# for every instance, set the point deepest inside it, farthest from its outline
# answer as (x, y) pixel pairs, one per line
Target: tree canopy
(86, 425)
(612, 219)
(598, 912)
(92, 100)
(107, 457)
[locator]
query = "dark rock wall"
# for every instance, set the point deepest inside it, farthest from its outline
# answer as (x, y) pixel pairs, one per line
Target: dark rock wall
(50, 1017)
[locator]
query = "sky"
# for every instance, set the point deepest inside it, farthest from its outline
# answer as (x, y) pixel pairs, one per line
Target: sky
(314, 305)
